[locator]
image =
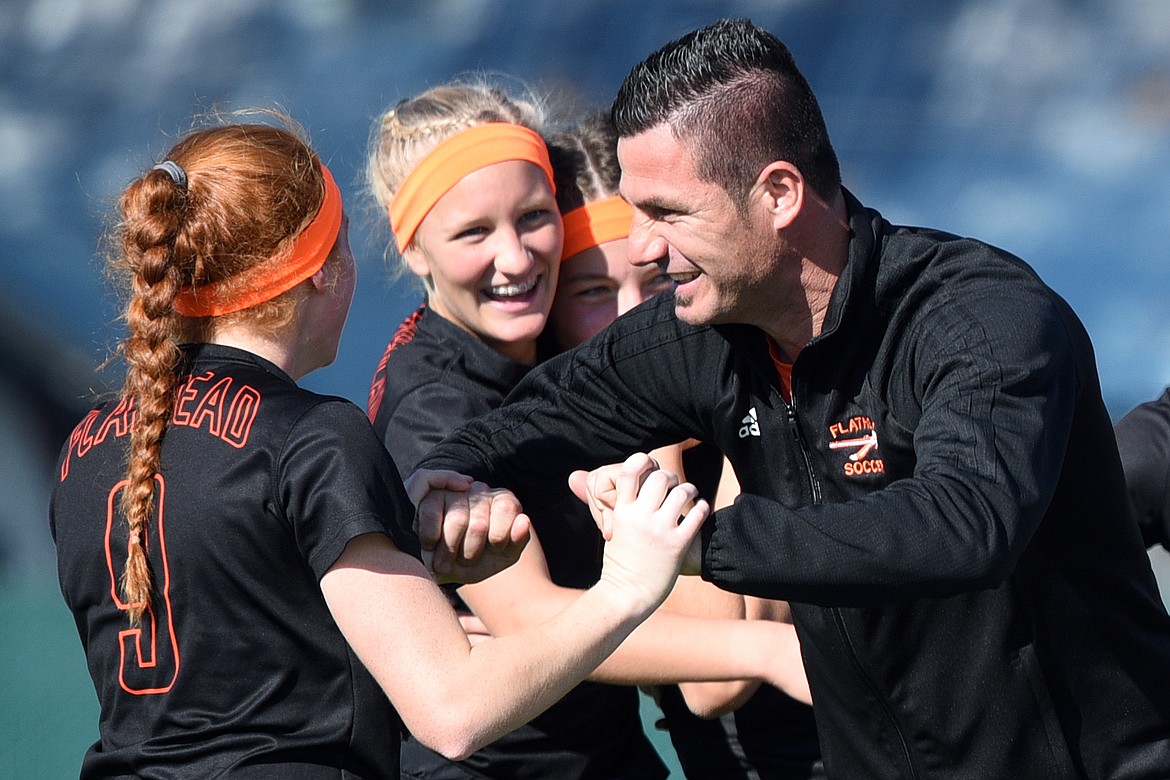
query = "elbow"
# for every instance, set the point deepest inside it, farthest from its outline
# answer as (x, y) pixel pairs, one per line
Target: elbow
(983, 570)
(993, 561)
(454, 749)
(710, 710)
(998, 571)
(450, 740)
(983, 543)
(986, 575)
(710, 700)
(448, 726)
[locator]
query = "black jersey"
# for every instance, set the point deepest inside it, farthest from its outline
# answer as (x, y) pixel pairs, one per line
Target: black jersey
(238, 667)
(433, 377)
(771, 736)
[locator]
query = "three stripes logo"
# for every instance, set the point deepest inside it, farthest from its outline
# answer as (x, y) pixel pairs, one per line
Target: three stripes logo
(750, 425)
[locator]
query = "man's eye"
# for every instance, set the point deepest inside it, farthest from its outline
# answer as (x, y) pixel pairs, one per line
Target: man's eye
(659, 214)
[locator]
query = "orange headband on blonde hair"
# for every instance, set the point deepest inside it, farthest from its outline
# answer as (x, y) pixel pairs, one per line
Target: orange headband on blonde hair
(596, 223)
(278, 274)
(444, 166)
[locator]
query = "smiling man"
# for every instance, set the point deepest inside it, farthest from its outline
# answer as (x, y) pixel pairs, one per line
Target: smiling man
(928, 471)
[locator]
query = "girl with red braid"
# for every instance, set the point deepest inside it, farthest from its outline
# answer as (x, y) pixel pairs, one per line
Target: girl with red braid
(238, 552)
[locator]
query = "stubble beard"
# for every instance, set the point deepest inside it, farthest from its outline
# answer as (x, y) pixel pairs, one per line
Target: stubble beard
(682, 304)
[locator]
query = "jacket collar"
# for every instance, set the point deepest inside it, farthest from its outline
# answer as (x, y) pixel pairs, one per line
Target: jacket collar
(853, 288)
(856, 277)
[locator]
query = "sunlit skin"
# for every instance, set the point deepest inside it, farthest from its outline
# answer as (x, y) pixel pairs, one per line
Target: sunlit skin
(717, 259)
(337, 301)
(760, 265)
(310, 341)
(489, 252)
(596, 286)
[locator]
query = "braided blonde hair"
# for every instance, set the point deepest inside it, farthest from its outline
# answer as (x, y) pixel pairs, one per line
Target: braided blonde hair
(584, 158)
(404, 133)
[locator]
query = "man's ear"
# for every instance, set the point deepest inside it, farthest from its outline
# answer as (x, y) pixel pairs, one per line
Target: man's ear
(781, 186)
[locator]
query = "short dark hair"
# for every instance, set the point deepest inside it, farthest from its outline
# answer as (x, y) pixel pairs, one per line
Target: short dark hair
(732, 91)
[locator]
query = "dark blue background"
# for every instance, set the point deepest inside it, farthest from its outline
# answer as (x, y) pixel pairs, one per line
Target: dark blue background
(1037, 125)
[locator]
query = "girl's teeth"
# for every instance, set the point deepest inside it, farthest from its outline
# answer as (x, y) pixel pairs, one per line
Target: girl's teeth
(508, 290)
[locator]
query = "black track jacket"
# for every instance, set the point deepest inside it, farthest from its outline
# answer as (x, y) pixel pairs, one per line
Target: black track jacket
(942, 501)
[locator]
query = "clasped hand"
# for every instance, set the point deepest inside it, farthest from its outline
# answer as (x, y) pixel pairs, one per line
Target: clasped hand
(467, 530)
(600, 490)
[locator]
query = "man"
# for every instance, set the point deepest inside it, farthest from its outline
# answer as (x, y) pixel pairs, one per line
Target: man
(928, 471)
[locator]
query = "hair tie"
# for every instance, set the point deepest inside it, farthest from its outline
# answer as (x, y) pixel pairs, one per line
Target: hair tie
(443, 167)
(302, 258)
(596, 223)
(175, 171)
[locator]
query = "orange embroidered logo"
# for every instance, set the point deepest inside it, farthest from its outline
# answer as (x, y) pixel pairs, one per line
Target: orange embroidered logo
(857, 434)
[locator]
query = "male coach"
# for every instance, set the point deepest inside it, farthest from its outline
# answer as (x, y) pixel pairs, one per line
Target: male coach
(928, 471)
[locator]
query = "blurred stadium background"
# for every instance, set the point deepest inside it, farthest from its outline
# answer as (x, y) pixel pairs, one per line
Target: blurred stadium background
(1042, 126)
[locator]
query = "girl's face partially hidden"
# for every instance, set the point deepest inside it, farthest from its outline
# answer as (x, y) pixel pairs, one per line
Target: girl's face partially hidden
(596, 286)
(489, 251)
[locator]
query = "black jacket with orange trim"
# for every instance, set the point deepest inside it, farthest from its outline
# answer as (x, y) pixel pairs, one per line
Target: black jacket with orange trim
(942, 501)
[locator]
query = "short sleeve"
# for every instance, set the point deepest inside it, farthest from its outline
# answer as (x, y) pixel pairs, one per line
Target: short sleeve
(337, 482)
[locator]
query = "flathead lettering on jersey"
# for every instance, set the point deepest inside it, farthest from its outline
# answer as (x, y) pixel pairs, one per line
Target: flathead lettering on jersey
(859, 436)
(88, 434)
(226, 412)
(149, 653)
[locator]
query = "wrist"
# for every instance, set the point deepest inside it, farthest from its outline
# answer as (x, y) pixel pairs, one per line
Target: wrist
(623, 600)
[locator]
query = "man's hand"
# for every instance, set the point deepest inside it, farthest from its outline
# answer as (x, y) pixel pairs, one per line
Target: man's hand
(467, 530)
(422, 481)
(599, 490)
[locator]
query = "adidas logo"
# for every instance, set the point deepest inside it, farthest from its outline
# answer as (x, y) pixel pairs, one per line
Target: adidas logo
(750, 427)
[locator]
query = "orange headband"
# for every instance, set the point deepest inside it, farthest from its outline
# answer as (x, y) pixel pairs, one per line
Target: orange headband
(444, 166)
(595, 223)
(280, 273)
